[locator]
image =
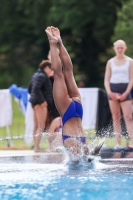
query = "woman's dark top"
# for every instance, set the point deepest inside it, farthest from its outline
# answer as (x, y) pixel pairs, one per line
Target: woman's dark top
(40, 90)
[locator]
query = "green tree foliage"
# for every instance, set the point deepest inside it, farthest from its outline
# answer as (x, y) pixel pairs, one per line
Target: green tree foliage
(86, 27)
(124, 26)
(21, 39)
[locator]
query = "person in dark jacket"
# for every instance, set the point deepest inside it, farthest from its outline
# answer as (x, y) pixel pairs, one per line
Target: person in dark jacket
(40, 90)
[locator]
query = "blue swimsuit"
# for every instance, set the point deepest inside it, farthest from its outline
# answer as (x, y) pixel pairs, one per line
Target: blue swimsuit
(74, 110)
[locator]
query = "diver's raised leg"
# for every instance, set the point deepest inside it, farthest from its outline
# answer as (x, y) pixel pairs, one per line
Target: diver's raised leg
(60, 93)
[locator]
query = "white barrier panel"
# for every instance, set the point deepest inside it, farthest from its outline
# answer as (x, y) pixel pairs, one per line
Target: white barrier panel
(29, 124)
(5, 108)
(89, 98)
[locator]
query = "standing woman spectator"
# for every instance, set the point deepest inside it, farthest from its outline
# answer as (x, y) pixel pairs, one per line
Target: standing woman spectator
(118, 84)
(40, 90)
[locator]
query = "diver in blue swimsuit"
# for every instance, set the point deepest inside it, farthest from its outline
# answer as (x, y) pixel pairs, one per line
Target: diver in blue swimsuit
(66, 96)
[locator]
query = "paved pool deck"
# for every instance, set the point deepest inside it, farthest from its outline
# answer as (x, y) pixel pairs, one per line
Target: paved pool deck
(7, 153)
(106, 153)
(55, 157)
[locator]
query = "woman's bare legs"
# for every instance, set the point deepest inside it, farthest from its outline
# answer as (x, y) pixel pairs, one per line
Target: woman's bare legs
(116, 116)
(61, 97)
(55, 124)
(40, 115)
(35, 126)
(51, 132)
(67, 67)
(127, 113)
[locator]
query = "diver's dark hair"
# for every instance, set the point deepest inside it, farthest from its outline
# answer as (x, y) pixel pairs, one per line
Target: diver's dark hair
(45, 63)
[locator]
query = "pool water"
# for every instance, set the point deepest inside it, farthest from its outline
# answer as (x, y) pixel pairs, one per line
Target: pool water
(25, 179)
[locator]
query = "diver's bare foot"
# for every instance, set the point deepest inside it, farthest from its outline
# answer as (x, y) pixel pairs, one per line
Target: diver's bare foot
(51, 38)
(56, 33)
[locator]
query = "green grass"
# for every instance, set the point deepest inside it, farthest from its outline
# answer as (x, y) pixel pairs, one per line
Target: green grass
(18, 127)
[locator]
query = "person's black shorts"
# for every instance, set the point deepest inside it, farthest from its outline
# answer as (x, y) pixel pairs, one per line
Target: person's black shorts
(119, 88)
(53, 112)
(132, 93)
